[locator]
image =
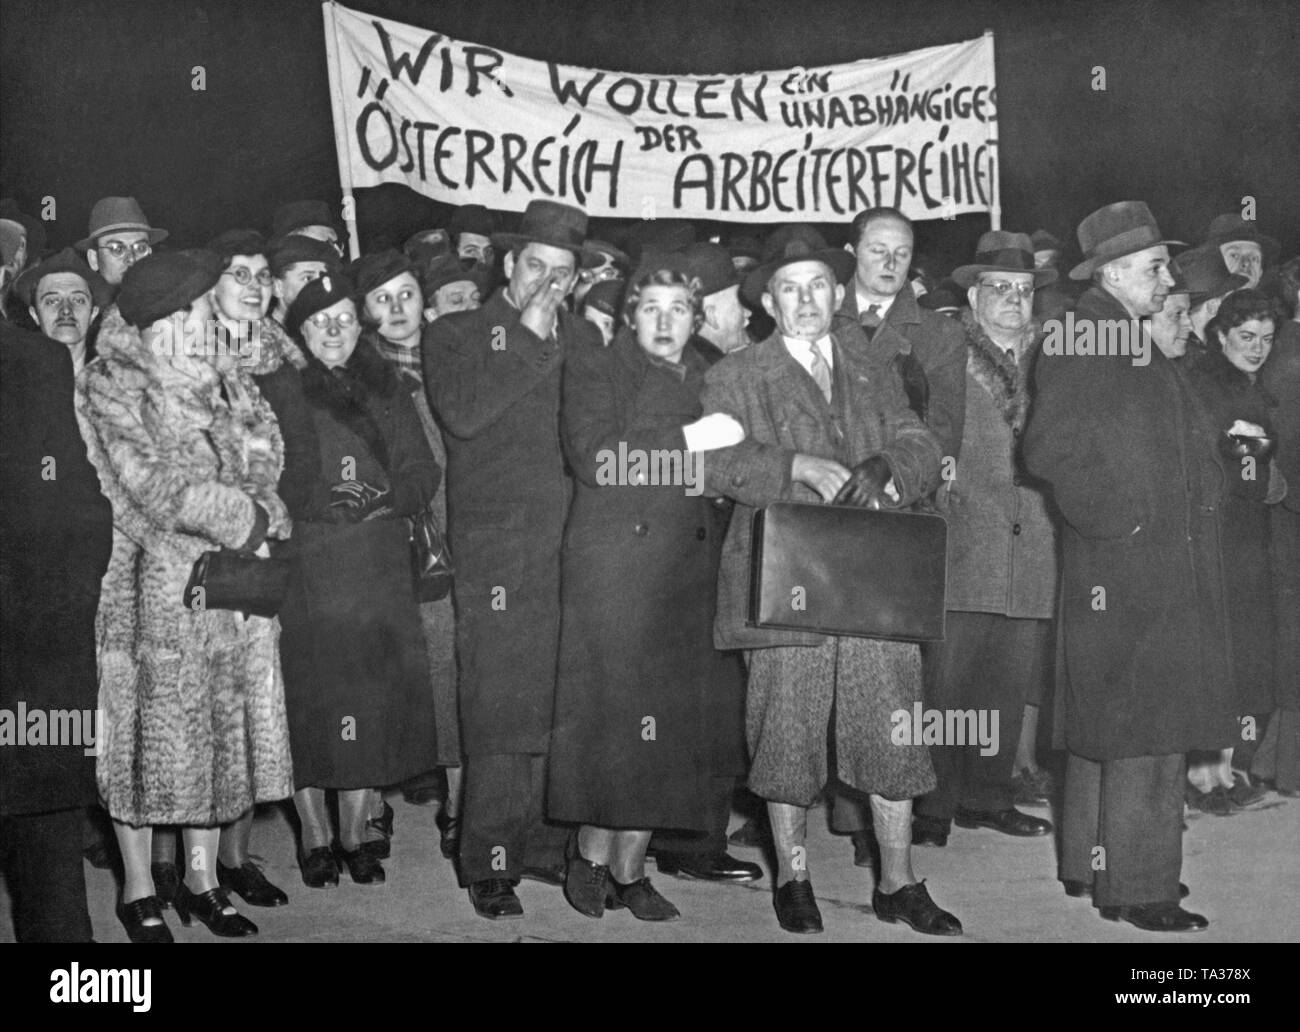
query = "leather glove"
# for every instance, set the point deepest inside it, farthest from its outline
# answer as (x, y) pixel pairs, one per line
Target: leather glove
(717, 430)
(355, 500)
(866, 486)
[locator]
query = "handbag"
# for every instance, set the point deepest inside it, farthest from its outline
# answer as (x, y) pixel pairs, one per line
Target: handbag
(430, 558)
(240, 581)
(836, 569)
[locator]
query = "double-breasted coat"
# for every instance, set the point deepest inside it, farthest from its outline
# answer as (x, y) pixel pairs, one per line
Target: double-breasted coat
(495, 387)
(56, 534)
(632, 744)
(1129, 454)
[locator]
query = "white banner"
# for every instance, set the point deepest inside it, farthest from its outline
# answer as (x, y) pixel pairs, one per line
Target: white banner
(461, 122)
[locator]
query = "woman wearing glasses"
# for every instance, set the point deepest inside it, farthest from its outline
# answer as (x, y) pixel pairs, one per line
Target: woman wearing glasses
(356, 678)
(190, 454)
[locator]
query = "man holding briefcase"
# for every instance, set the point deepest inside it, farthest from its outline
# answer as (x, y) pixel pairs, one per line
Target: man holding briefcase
(823, 422)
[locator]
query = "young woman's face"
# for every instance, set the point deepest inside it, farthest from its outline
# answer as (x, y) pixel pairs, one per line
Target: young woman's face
(1247, 346)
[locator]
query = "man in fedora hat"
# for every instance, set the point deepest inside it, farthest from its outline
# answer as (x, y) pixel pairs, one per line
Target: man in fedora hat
(493, 377)
(1245, 249)
(1001, 554)
(313, 219)
(1208, 280)
(119, 237)
(64, 295)
(471, 228)
(725, 318)
(1142, 663)
(821, 415)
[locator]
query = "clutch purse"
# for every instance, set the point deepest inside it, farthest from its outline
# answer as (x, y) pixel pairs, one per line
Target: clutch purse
(835, 569)
(430, 558)
(238, 581)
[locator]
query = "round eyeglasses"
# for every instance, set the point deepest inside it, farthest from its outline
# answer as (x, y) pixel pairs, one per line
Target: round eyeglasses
(342, 321)
(244, 276)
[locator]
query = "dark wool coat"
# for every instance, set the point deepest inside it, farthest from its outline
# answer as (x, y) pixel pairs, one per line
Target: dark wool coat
(1229, 394)
(783, 414)
(194, 727)
(639, 579)
(1001, 541)
(935, 341)
(495, 388)
(1281, 378)
(1130, 457)
(56, 534)
(356, 678)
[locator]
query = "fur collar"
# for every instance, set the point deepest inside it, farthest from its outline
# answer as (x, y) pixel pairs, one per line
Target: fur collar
(350, 393)
(1006, 381)
(121, 347)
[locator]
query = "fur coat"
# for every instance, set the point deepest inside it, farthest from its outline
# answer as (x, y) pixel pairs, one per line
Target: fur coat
(193, 720)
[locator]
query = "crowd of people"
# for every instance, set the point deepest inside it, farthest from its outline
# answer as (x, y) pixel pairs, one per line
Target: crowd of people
(1123, 554)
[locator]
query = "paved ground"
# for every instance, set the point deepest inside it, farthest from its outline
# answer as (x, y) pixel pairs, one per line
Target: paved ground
(1244, 872)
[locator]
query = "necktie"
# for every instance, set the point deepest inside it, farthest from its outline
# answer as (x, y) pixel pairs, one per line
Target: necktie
(871, 320)
(821, 372)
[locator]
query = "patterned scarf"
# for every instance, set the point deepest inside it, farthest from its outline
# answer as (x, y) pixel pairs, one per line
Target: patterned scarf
(407, 360)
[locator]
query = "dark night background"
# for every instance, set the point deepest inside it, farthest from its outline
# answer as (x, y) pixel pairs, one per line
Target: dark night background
(1201, 107)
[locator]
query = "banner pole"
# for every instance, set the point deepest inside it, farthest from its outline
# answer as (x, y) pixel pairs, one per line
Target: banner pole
(342, 150)
(995, 189)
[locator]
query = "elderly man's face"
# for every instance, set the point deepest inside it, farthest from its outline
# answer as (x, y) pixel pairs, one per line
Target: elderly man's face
(461, 296)
(884, 255)
(398, 307)
(63, 307)
(1140, 281)
(1246, 258)
(1172, 325)
(289, 284)
(1002, 301)
(474, 247)
(114, 253)
(802, 298)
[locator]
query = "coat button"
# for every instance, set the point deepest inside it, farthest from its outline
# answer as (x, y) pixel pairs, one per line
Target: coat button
(1015, 529)
(641, 529)
(700, 533)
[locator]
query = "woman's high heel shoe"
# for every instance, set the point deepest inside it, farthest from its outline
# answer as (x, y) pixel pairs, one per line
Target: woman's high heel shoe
(133, 916)
(363, 865)
(209, 907)
(448, 833)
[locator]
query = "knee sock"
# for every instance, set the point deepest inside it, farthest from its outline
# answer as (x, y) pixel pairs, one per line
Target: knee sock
(789, 835)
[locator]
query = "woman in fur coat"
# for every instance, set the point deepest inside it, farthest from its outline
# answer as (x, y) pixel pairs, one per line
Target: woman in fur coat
(356, 677)
(189, 454)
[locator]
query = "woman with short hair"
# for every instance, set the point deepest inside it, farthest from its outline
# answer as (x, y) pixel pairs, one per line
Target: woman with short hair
(631, 741)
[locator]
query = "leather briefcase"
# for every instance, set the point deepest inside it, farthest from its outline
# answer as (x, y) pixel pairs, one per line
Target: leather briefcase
(836, 569)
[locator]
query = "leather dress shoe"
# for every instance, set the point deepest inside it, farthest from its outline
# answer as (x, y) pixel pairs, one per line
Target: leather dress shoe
(1157, 917)
(586, 885)
(425, 795)
(1243, 792)
(494, 898)
(362, 865)
(210, 907)
(912, 904)
(448, 833)
(133, 916)
(1009, 821)
(380, 828)
(248, 880)
(753, 834)
(640, 897)
(319, 868)
(707, 867)
(796, 908)
(1215, 802)
(552, 875)
(1080, 889)
(929, 831)
(166, 880)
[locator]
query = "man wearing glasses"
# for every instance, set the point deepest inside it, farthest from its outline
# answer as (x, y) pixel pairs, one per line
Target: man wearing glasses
(119, 237)
(1001, 555)
(928, 352)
